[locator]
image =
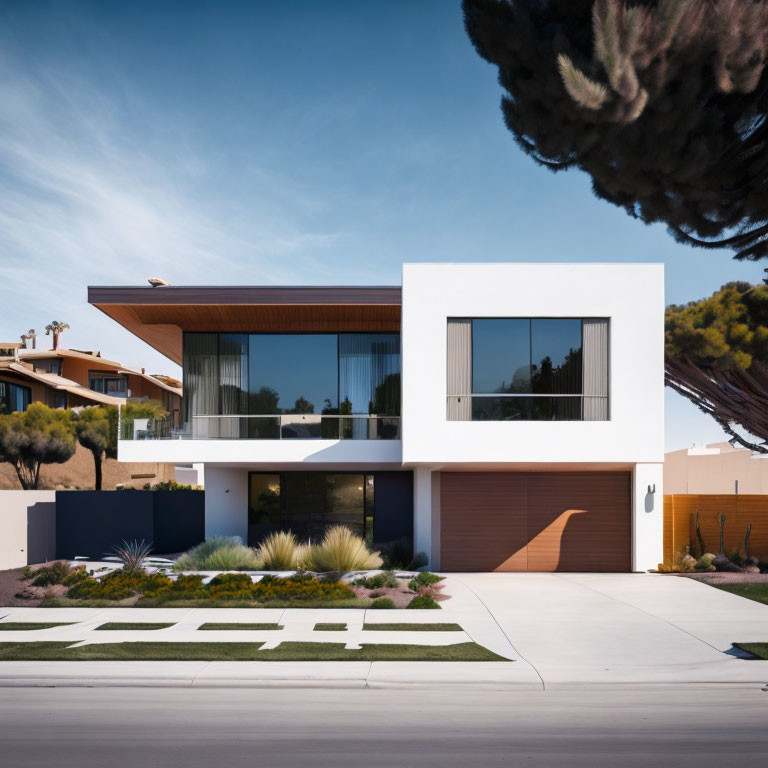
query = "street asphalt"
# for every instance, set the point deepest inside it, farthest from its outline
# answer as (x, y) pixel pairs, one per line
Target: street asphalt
(277, 728)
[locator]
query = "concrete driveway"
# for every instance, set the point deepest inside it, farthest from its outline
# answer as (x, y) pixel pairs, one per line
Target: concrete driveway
(591, 628)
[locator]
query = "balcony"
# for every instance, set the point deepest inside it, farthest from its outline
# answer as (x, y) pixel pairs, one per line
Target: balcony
(527, 407)
(266, 427)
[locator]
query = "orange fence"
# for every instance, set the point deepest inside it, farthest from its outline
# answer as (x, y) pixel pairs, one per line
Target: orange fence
(739, 510)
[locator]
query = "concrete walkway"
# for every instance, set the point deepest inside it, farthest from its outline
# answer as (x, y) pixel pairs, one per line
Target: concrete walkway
(562, 630)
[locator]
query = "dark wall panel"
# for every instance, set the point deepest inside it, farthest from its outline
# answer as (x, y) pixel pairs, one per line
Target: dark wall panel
(179, 520)
(393, 517)
(91, 523)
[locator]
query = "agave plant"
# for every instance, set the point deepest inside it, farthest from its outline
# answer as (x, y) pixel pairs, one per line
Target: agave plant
(132, 554)
(341, 551)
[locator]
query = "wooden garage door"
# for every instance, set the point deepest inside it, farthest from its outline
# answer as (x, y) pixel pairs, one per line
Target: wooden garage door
(535, 521)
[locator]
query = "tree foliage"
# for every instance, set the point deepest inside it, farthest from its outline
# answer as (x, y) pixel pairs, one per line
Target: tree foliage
(717, 357)
(662, 102)
(40, 435)
(95, 429)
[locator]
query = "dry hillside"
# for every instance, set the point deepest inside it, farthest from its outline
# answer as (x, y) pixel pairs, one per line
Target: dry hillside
(77, 473)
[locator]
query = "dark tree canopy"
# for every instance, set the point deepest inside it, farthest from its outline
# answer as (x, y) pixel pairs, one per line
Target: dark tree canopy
(662, 102)
(717, 357)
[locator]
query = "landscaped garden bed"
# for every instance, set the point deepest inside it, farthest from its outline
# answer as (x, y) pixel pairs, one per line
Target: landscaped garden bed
(222, 572)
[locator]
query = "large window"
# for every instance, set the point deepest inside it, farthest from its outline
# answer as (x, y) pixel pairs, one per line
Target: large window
(108, 384)
(14, 397)
(527, 369)
(292, 385)
(307, 503)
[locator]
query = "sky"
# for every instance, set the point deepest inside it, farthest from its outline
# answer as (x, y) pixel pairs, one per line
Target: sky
(276, 143)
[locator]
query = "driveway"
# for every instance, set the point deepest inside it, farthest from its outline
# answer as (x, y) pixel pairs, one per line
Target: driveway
(622, 628)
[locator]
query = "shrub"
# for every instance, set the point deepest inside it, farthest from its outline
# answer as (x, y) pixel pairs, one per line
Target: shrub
(116, 585)
(171, 485)
(341, 551)
(705, 562)
(231, 586)
(383, 602)
(397, 554)
(186, 587)
(219, 553)
(423, 601)
(423, 580)
(301, 587)
(281, 552)
(46, 575)
(379, 580)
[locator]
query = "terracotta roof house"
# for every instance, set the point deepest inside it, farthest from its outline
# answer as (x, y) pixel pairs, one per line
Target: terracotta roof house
(67, 378)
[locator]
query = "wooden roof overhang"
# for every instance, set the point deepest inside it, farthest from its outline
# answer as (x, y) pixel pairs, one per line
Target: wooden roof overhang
(159, 316)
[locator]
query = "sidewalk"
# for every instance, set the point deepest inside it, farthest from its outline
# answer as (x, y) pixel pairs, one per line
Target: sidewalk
(560, 630)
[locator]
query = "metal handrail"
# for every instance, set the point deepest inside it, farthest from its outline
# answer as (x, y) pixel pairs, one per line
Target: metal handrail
(275, 426)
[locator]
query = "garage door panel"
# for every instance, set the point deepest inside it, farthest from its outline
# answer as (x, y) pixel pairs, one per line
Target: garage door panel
(483, 525)
(579, 521)
(536, 521)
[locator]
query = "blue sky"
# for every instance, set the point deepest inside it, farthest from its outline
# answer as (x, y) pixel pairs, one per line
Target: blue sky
(276, 142)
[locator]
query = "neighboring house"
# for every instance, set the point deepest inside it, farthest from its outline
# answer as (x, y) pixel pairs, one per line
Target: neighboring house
(716, 468)
(67, 378)
(504, 416)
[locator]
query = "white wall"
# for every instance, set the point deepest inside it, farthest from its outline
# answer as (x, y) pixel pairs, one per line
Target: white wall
(226, 502)
(631, 295)
(275, 453)
(647, 516)
(27, 528)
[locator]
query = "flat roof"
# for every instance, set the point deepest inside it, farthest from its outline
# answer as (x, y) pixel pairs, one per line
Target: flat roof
(159, 315)
(246, 294)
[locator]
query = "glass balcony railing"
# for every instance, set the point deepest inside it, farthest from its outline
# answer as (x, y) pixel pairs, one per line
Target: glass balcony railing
(527, 407)
(288, 426)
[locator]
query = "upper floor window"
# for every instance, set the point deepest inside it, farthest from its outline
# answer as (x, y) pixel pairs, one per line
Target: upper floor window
(14, 397)
(108, 384)
(527, 369)
(49, 365)
(309, 381)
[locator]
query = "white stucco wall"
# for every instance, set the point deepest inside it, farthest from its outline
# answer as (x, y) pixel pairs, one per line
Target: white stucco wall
(226, 502)
(631, 295)
(27, 527)
(647, 516)
(265, 453)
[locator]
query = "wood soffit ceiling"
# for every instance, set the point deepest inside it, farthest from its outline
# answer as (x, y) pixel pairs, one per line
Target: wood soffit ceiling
(159, 315)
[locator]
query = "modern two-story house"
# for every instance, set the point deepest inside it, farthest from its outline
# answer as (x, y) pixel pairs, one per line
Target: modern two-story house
(505, 417)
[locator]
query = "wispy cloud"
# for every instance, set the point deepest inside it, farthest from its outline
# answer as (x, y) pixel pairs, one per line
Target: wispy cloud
(93, 189)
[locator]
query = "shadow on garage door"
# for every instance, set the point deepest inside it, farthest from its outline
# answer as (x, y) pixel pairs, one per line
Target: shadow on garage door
(535, 521)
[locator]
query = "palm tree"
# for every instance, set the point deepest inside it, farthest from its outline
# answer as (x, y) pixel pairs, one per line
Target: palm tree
(55, 327)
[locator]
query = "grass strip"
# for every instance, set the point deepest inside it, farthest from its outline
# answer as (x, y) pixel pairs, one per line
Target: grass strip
(291, 651)
(413, 627)
(330, 627)
(133, 625)
(756, 649)
(757, 591)
(212, 625)
(26, 626)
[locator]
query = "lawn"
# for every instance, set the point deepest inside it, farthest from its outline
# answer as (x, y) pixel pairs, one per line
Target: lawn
(133, 625)
(758, 649)
(291, 651)
(757, 591)
(413, 627)
(329, 627)
(25, 626)
(212, 625)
